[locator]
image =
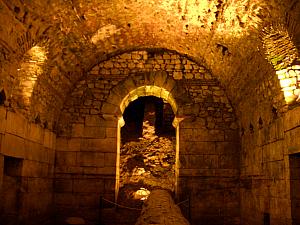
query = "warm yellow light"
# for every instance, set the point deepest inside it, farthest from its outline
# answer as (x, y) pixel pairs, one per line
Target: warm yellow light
(289, 82)
(142, 194)
(237, 19)
(149, 90)
(31, 68)
(104, 33)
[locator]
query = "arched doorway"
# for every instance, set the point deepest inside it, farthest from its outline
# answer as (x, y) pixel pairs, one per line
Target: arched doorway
(147, 149)
(158, 84)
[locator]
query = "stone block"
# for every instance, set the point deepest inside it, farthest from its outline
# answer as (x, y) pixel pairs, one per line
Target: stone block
(130, 86)
(110, 159)
(63, 185)
(229, 161)
(13, 146)
(292, 141)
(94, 159)
(35, 151)
(292, 119)
(65, 169)
(193, 123)
(1, 171)
(39, 185)
(65, 199)
(201, 135)
(227, 148)
(49, 139)
(66, 158)
(114, 99)
(108, 170)
(61, 144)
(35, 204)
(170, 84)
(200, 161)
(74, 144)
(35, 133)
(160, 78)
(15, 124)
(186, 134)
(94, 132)
(232, 135)
(108, 108)
(78, 129)
(273, 151)
(111, 132)
(101, 145)
(88, 186)
(276, 131)
(275, 169)
(93, 120)
(2, 120)
(197, 148)
(34, 169)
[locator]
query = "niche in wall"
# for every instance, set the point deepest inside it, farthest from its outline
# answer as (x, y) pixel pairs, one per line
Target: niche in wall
(12, 166)
(10, 196)
(2, 97)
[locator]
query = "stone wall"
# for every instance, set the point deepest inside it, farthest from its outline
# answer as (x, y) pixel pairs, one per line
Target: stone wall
(26, 170)
(209, 150)
(209, 172)
(268, 138)
(85, 168)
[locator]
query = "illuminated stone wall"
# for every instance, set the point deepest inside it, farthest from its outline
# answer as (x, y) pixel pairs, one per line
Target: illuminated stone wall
(290, 83)
(87, 147)
(26, 170)
(268, 136)
(209, 169)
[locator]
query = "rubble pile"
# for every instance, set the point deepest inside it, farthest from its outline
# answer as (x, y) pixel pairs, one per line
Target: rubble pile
(147, 163)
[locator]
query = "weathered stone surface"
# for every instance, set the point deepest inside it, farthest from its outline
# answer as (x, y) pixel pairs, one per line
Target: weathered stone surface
(66, 66)
(160, 208)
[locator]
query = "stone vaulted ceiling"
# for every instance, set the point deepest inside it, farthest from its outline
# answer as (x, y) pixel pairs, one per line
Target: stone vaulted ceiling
(222, 35)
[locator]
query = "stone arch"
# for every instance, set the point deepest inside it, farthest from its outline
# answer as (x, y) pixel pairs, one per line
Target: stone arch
(158, 84)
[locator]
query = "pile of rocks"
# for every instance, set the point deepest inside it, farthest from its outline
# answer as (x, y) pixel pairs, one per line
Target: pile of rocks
(148, 163)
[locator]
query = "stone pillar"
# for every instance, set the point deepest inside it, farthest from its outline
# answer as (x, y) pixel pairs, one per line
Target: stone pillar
(160, 209)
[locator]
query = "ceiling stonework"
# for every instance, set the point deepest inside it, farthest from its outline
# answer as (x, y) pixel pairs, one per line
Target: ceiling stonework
(223, 36)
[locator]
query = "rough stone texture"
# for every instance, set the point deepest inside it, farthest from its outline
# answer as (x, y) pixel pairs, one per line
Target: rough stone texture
(26, 162)
(268, 137)
(208, 136)
(206, 58)
(146, 68)
(160, 209)
(80, 35)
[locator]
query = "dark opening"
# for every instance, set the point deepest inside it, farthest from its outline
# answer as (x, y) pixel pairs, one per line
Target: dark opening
(266, 218)
(11, 194)
(159, 113)
(294, 160)
(147, 153)
(12, 166)
(2, 97)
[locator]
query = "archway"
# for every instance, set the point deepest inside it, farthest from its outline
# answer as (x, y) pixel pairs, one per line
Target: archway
(157, 84)
(147, 150)
(142, 92)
